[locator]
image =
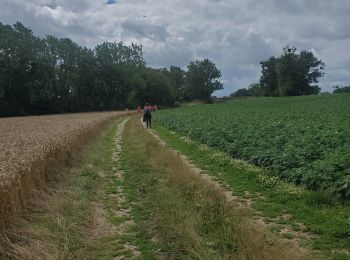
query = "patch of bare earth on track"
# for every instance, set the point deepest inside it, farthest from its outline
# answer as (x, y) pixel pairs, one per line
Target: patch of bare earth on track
(295, 237)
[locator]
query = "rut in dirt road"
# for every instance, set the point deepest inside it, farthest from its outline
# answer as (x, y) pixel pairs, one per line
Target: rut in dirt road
(122, 212)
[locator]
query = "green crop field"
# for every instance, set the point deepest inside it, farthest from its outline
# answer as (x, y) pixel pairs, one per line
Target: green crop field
(305, 140)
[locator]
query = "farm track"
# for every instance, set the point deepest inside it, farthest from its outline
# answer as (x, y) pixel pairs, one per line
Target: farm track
(31, 147)
(112, 204)
(122, 212)
(238, 206)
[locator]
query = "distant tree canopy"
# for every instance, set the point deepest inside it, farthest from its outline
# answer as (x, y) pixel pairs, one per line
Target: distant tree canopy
(268, 79)
(296, 72)
(341, 89)
(242, 92)
(177, 76)
(52, 75)
(254, 90)
(291, 74)
(202, 79)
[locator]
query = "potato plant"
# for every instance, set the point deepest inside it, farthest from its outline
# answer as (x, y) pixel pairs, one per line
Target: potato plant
(305, 140)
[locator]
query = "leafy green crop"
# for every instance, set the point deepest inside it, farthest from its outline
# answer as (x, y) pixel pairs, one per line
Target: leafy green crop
(306, 140)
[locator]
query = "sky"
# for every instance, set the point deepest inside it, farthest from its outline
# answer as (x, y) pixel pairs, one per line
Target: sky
(235, 34)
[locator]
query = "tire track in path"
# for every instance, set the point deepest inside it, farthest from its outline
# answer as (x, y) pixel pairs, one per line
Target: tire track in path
(112, 215)
(244, 203)
(122, 212)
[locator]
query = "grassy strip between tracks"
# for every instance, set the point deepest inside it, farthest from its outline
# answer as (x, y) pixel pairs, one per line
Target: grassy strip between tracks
(321, 222)
(73, 218)
(185, 216)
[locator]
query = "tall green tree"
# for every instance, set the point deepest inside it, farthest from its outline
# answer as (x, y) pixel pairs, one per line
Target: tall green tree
(293, 73)
(86, 94)
(19, 64)
(296, 72)
(116, 64)
(310, 70)
(177, 75)
(66, 54)
(154, 87)
(44, 90)
(268, 79)
(202, 79)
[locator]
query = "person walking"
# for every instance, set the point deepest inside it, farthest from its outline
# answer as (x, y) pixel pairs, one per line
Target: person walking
(147, 115)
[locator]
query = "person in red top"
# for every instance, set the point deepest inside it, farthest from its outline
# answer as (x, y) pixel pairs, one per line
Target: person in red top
(138, 109)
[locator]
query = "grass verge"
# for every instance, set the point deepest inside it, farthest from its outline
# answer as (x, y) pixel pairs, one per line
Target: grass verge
(186, 217)
(323, 223)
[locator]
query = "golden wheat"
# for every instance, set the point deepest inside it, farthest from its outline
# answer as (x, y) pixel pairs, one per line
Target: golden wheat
(31, 146)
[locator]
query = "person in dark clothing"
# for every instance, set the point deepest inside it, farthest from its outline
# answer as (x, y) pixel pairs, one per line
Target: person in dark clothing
(147, 115)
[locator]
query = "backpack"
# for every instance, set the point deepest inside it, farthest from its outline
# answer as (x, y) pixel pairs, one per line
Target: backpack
(147, 112)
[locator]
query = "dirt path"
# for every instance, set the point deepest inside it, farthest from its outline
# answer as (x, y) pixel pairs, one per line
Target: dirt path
(114, 219)
(122, 212)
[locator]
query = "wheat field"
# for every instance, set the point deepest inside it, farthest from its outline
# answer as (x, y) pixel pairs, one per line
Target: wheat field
(31, 146)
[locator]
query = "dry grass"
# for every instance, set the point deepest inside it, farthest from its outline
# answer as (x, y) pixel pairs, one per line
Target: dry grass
(53, 236)
(31, 146)
(191, 217)
(70, 218)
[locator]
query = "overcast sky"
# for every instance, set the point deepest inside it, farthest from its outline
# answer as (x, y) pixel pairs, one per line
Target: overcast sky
(235, 34)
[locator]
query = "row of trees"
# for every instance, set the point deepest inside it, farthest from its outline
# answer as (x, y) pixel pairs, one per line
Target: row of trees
(293, 73)
(51, 75)
(341, 89)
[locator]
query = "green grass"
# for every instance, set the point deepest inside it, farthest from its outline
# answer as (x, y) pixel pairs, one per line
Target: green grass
(288, 235)
(326, 218)
(304, 140)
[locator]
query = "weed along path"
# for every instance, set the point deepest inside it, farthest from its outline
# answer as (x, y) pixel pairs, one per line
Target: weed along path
(180, 214)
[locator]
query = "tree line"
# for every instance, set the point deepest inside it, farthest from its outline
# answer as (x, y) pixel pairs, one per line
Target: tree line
(293, 73)
(51, 75)
(341, 89)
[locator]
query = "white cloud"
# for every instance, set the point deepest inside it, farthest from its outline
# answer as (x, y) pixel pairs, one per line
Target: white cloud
(235, 34)
(58, 15)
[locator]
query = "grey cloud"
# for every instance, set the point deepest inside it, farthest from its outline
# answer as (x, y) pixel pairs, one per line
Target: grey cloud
(140, 29)
(172, 52)
(235, 34)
